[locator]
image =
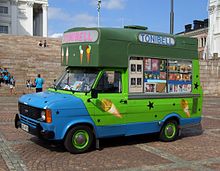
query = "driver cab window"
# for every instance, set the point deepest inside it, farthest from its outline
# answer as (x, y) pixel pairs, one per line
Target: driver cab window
(110, 82)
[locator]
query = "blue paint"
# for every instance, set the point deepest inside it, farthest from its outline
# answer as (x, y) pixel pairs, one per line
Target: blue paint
(178, 82)
(142, 127)
(189, 121)
(52, 100)
(71, 110)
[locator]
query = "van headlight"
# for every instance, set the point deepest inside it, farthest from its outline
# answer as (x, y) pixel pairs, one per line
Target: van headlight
(43, 115)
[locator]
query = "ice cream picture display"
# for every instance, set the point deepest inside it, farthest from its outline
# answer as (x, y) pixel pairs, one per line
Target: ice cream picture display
(185, 107)
(62, 55)
(81, 53)
(88, 51)
(67, 55)
(108, 106)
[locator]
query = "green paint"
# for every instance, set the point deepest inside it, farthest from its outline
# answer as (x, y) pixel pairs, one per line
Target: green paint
(83, 135)
(170, 130)
(115, 45)
(111, 52)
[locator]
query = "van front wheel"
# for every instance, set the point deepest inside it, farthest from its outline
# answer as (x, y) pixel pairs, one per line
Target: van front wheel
(169, 131)
(79, 139)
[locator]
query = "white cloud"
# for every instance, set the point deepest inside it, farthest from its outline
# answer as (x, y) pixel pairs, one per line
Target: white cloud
(111, 4)
(114, 4)
(56, 35)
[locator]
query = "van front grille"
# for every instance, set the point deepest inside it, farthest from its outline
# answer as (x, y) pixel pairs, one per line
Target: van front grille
(29, 111)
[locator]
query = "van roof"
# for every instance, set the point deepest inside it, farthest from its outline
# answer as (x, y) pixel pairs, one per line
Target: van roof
(112, 47)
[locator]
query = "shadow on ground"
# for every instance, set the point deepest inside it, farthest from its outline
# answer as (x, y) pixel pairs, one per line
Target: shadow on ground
(118, 141)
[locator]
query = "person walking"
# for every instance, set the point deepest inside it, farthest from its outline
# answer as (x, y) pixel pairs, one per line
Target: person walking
(12, 85)
(39, 83)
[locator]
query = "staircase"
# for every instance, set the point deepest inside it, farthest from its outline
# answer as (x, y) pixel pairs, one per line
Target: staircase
(24, 59)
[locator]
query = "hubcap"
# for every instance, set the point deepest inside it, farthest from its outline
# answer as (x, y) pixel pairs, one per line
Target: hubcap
(170, 130)
(80, 139)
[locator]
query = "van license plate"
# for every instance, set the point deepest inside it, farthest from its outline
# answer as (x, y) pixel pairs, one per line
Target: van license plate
(24, 127)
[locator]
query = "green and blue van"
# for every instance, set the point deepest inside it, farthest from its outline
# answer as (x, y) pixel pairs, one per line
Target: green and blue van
(118, 82)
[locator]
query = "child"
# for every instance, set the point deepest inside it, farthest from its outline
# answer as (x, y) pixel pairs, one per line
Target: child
(12, 85)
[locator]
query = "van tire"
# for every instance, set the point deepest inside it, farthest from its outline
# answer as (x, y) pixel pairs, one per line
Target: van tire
(169, 131)
(79, 139)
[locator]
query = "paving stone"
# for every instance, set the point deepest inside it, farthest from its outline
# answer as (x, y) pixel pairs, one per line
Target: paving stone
(192, 148)
(197, 149)
(214, 166)
(10, 133)
(42, 156)
(3, 166)
(208, 123)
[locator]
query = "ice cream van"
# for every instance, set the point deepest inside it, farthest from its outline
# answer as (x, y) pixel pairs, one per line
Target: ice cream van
(118, 82)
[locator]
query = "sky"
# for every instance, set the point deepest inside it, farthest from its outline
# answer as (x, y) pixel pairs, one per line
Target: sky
(154, 14)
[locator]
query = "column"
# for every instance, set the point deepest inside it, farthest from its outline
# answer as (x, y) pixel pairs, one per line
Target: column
(14, 17)
(217, 30)
(211, 31)
(29, 22)
(45, 19)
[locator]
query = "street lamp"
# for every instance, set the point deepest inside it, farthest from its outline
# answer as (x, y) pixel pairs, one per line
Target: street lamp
(171, 18)
(98, 8)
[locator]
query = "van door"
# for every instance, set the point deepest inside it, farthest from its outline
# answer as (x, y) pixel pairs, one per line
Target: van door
(110, 106)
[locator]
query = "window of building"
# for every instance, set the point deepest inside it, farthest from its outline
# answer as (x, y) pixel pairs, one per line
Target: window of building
(4, 29)
(3, 10)
(161, 76)
(110, 82)
(202, 42)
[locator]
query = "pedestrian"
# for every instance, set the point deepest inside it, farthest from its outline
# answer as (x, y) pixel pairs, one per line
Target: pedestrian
(12, 85)
(1, 79)
(6, 78)
(28, 85)
(45, 43)
(40, 43)
(39, 83)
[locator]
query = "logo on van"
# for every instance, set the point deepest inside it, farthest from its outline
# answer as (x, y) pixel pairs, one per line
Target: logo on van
(107, 106)
(185, 106)
(80, 36)
(88, 53)
(156, 39)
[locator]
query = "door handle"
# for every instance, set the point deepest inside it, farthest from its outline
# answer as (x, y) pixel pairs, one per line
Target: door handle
(123, 101)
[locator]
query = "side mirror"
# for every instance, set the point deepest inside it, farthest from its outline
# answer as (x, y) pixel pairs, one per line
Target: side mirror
(94, 94)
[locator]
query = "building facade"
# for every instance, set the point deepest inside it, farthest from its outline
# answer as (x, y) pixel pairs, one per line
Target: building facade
(24, 17)
(198, 30)
(213, 48)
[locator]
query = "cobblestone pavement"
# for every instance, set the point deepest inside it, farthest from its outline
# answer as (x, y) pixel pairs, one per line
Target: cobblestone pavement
(197, 148)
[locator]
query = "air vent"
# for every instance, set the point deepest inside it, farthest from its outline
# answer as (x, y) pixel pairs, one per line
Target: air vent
(136, 27)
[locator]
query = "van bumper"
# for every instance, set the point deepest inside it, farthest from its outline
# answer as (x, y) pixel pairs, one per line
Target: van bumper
(37, 130)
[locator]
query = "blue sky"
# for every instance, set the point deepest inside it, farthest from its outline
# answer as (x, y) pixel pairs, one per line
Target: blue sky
(154, 14)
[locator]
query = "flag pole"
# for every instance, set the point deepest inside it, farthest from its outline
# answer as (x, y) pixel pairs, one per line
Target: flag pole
(98, 9)
(171, 18)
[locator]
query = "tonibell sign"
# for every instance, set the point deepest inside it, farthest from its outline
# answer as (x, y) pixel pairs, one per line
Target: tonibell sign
(156, 39)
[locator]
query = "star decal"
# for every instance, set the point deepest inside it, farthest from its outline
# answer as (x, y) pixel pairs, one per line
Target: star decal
(150, 105)
(196, 85)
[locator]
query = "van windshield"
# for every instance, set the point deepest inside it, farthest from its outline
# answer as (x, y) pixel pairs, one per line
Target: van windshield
(77, 80)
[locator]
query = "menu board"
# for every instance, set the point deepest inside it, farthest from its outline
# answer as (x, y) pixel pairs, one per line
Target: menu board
(179, 76)
(155, 75)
